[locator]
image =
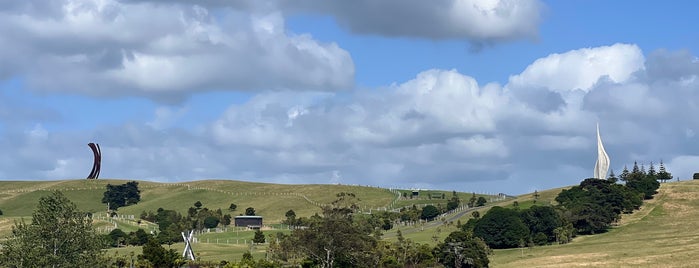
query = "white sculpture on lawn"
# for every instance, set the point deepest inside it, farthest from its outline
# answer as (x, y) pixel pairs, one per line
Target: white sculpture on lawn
(188, 252)
(602, 165)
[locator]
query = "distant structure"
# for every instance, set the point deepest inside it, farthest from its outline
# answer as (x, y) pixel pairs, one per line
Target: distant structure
(188, 253)
(252, 222)
(602, 164)
(95, 173)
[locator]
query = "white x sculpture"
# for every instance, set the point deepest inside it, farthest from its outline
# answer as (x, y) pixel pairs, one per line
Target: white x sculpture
(188, 253)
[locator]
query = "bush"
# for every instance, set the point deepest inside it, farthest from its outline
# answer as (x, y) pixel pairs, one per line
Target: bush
(696, 176)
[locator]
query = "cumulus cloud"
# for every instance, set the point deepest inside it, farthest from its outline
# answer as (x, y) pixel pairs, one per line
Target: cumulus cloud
(441, 129)
(481, 22)
(162, 50)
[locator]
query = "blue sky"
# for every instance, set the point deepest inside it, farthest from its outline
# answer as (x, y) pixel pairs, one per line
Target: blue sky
(488, 96)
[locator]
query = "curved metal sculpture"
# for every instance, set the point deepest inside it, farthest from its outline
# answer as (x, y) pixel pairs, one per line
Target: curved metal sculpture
(95, 173)
(602, 165)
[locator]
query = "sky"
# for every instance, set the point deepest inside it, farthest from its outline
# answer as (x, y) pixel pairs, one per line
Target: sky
(470, 95)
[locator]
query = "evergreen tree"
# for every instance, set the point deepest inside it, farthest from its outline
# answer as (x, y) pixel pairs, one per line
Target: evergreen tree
(259, 237)
(612, 177)
(663, 175)
(635, 169)
(651, 170)
(625, 174)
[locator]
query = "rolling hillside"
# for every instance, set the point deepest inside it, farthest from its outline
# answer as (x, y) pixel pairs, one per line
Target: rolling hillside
(664, 233)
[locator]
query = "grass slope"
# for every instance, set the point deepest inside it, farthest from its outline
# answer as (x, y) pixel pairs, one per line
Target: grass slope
(664, 233)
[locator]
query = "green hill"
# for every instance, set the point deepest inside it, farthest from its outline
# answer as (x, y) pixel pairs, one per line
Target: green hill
(664, 233)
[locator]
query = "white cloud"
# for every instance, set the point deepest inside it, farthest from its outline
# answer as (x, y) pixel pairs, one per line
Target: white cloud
(440, 129)
(162, 50)
(480, 21)
(581, 68)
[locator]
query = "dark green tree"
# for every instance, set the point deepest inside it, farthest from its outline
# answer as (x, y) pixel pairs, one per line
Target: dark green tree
(121, 195)
(117, 237)
(59, 235)
(232, 207)
(612, 177)
(198, 204)
(594, 204)
(542, 221)
(625, 174)
(429, 212)
(663, 175)
(211, 222)
(481, 201)
(226, 220)
(158, 256)
(259, 237)
(501, 228)
(290, 217)
(250, 211)
(461, 249)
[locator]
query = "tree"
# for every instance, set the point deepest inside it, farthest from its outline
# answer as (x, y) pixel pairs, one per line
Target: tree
(226, 220)
(542, 221)
(232, 207)
(59, 235)
(472, 201)
(454, 201)
(259, 237)
(695, 176)
(250, 211)
(481, 201)
(624, 174)
(594, 204)
(462, 249)
(158, 256)
(198, 204)
(116, 237)
(290, 217)
(645, 184)
(121, 195)
(612, 177)
(663, 175)
(0, 211)
(335, 239)
(211, 222)
(501, 228)
(429, 212)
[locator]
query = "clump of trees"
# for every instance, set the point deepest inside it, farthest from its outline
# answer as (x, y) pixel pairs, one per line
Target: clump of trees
(588, 208)
(121, 195)
(171, 223)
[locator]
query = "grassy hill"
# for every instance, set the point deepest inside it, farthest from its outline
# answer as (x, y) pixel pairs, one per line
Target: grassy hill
(664, 233)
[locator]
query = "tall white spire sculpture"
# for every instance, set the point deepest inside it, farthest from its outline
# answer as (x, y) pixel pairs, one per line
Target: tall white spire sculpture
(602, 165)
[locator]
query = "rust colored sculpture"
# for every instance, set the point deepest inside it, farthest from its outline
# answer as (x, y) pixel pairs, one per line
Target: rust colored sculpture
(95, 173)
